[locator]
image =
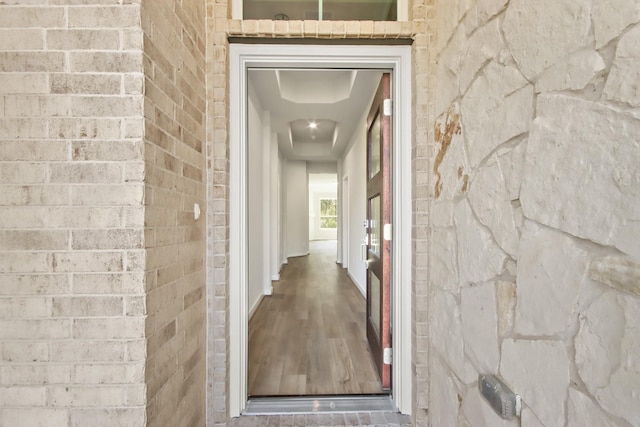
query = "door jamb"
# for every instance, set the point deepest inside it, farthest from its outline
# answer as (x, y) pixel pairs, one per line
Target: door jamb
(396, 58)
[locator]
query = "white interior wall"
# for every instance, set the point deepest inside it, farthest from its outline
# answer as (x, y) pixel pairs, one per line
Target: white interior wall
(297, 220)
(276, 218)
(283, 217)
(256, 200)
(353, 167)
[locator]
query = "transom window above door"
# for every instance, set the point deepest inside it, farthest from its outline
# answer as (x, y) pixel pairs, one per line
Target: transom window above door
(327, 10)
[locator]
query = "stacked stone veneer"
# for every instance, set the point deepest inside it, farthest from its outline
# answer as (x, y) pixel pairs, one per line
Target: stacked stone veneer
(535, 242)
(102, 313)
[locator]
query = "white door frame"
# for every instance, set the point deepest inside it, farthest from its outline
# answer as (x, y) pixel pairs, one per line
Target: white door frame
(398, 60)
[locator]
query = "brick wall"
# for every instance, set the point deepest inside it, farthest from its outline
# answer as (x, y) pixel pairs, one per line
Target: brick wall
(174, 66)
(71, 214)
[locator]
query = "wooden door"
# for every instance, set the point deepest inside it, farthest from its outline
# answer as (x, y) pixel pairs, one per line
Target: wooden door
(378, 226)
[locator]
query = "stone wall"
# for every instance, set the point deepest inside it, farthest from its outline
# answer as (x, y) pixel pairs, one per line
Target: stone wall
(535, 261)
(72, 319)
(174, 67)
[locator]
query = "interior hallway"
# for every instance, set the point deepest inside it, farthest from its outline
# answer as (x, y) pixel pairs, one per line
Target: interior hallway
(309, 337)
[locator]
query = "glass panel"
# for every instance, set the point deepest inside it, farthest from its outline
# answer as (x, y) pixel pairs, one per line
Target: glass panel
(332, 10)
(374, 148)
(328, 213)
(359, 10)
(374, 303)
(374, 215)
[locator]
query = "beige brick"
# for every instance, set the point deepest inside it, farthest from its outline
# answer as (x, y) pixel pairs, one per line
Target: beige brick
(168, 236)
(159, 99)
(33, 240)
(24, 262)
(193, 297)
(132, 39)
(109, 417)
(23, 396)
(107, 195)
(33, 150)
(34, 374)
(83, 39)
(31, 61)
(105, 62)
(108, 374)
(23, 173)
(89, 2)
(47, 195)
(83, 173)
(60, 217)
(30, 307)
(85, 128)
(53, 284)
(104, 16)
(87, 396)
(34, 417)
(21, 39)
(133, 84)
(23, 128)
(108, 328)
(87, 261)
(157, 217)
(23, 83)
(134, 172)
(135, 260)
(35, 17)
(24, 351)
(36, 106)
(93, 306)
(107, 239)
(133, 127)
(106, 106)
(106, 150)
(87, 351)
(87, 84)
(35, 329)
(125, 283)
(136, 350)
(135, 306)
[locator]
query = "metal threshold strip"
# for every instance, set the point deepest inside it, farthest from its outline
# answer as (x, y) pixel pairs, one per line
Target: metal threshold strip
(318, 405)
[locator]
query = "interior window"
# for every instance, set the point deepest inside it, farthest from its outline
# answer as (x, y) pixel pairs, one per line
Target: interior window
(328, 213)
(328, 10)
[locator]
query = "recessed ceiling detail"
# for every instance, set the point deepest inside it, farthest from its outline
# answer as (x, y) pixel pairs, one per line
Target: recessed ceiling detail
(315, 86)
(336, 122)
(302, 130)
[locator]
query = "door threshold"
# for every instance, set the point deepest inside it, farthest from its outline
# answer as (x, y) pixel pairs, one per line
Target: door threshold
(318, 405)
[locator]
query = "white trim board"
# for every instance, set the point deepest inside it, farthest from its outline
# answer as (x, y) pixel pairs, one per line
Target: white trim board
(394, 58)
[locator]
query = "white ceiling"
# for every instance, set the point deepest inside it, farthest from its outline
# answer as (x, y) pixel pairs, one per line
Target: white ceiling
(334, 99)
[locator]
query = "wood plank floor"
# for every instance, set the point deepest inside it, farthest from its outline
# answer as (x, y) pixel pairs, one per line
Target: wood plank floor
(309, 337)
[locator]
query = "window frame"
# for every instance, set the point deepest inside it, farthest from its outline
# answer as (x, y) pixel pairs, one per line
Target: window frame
(402, 12)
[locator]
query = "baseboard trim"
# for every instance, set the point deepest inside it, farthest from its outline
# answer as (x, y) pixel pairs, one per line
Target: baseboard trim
(255, 306)
(362, 289)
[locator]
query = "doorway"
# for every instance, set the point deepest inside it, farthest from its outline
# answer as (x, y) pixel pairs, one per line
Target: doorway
(393, 58)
